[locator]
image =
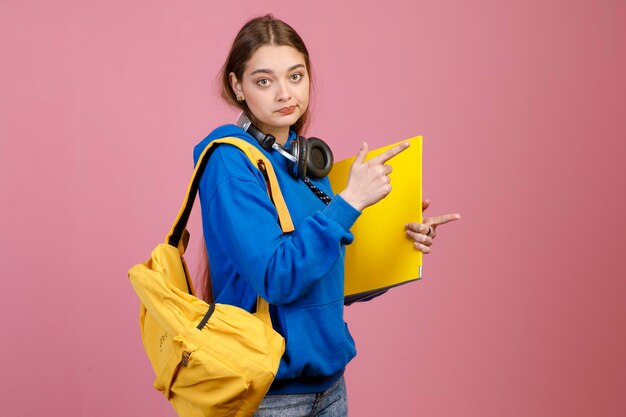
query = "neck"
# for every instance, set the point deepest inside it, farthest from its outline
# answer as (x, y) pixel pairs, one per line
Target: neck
(280, 133)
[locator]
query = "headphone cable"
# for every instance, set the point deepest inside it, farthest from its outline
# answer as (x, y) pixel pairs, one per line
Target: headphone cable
(319, 193)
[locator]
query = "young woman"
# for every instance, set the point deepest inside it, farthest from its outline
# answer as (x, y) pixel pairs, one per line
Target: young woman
(267, 76)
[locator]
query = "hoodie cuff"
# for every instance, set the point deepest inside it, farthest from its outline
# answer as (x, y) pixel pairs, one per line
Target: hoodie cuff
(342, 212)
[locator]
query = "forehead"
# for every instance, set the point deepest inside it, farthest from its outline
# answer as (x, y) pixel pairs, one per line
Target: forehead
(274, 58)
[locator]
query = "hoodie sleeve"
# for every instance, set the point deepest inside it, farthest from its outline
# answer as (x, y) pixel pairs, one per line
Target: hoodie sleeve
(280, 267)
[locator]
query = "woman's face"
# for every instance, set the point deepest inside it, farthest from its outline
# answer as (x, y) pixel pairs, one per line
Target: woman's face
(275, 85)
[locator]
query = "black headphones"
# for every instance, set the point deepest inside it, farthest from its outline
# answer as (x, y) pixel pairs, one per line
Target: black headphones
(310, 157)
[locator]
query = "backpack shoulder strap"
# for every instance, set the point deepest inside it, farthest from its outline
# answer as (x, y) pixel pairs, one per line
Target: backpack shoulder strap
(178, 235)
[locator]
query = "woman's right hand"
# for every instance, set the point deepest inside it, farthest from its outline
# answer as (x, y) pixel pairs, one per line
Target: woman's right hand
(369, 181)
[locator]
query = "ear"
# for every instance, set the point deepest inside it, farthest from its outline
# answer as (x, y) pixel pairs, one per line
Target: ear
(235, 84)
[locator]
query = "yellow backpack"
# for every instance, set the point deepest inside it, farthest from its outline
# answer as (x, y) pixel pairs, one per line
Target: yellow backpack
(209, 359)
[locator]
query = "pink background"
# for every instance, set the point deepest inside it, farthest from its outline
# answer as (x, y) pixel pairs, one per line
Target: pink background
(521, 104)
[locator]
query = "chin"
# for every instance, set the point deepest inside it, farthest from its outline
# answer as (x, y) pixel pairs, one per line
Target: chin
(283, 122)
(292, 119)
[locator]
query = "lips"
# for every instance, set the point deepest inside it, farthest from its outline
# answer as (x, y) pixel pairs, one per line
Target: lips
(286, 110)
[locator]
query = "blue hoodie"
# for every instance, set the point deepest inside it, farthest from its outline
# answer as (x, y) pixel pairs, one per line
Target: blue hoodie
(301, 274)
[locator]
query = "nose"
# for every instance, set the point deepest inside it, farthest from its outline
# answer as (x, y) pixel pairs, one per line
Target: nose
(282, 93)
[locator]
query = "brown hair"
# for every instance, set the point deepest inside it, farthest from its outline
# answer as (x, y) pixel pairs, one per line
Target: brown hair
(260, 31)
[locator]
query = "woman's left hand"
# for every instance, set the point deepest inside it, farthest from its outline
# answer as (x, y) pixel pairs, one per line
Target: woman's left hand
(424, 233)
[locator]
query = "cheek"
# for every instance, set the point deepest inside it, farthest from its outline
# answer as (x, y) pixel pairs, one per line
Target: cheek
(303, 96)
(256, 103)
(304, 104)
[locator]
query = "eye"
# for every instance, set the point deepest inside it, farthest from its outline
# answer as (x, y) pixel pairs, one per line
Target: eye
(296, 77)
(263, 82)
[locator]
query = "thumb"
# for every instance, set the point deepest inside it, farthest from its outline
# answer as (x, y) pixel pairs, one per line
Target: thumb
(360, 156)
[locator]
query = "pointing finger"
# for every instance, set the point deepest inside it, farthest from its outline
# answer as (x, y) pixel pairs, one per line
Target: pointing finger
(446, 218)
(387, 155)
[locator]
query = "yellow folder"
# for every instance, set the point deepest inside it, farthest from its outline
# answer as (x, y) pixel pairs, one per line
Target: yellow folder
(382, 256)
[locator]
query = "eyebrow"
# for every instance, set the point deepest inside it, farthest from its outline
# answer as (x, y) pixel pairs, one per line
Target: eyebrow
(269, 71)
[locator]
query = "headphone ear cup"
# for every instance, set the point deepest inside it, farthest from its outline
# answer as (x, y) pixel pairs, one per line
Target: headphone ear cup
(319, 159)
(300, 151)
